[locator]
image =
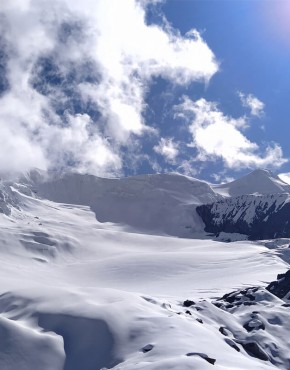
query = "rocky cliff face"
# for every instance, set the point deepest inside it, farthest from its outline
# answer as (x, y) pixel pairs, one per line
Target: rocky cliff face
(258, 216)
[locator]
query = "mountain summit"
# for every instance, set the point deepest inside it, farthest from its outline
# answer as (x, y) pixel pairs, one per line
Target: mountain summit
(256, 182)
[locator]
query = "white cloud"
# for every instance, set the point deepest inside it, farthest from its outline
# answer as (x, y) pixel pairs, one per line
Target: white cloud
(218, 136)
(168, 149)
(255, 105)
(221, 178)
(84, 147)
(188, 167)
(65, 55)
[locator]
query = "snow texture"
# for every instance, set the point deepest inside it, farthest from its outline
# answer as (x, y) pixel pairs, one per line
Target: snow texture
(95, 274)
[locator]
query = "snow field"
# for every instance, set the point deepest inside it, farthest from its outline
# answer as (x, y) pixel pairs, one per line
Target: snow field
(77, 293)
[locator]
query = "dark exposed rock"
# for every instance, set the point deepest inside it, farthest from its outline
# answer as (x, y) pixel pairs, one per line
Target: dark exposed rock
(147, 348)
(199, 320)
(202, 355)
(230, 306)
(238, 303)
(237, 298)
(254, 324)
(188, 303)
(224, 331)
(218, 304)
(188, 312)
(231, 343)
(235, 215)
(280, 287)
(254, 350)
(230, 299)
(247, 303)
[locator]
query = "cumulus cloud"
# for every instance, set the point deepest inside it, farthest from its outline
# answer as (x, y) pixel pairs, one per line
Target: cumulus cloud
(168, 149)
(76, 76)
(218, 136)
(255, 105)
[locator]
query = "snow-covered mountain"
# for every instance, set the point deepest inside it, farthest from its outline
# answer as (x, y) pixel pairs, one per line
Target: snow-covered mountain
(158, 204)
(119, 274)
(257, 216)
(257, 182)
(257, 205)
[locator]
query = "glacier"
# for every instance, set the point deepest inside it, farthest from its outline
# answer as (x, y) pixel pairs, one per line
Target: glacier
(95, 274)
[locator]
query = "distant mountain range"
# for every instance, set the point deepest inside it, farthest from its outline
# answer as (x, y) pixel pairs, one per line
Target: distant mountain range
(255, 206)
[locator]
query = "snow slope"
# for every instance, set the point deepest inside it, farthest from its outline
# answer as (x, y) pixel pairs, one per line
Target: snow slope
(78, 292)
(256, 182)
(159, 204)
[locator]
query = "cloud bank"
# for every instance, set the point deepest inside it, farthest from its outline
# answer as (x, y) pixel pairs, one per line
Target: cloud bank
(218, 136)
(74, 78)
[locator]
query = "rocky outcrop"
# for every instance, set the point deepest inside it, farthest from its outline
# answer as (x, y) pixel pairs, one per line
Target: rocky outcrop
(9, 198)
(281, 286)
(257, 216)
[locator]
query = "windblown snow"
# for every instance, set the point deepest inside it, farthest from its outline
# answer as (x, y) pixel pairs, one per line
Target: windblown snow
(119, 274)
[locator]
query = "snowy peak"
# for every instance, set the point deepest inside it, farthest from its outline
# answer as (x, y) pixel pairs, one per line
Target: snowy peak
(257, 182)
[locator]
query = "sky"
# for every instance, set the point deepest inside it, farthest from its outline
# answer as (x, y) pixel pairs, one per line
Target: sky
(118, 88)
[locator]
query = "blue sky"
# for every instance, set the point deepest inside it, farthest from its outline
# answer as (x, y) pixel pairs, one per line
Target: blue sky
(250, 40)
(127, 87)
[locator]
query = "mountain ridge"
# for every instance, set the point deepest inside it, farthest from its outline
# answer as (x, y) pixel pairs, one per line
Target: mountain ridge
(169, 204)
